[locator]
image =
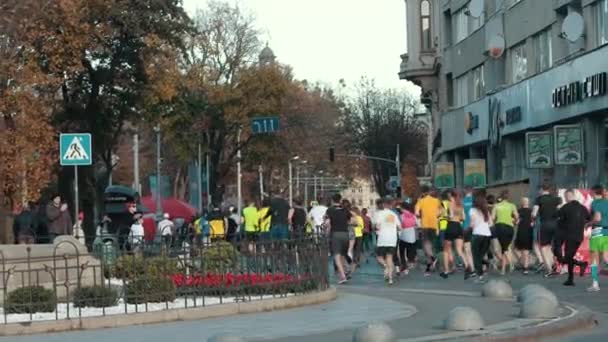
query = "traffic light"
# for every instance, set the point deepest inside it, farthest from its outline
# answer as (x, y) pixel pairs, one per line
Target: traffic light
(332, 154)
(426, 100)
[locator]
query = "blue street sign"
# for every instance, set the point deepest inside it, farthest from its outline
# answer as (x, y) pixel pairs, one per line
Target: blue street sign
(75, 149)
(265, 125)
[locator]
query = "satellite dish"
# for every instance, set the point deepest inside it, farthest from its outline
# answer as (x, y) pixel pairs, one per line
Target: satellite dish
(573, 27)
(475, 8)
(496, 46)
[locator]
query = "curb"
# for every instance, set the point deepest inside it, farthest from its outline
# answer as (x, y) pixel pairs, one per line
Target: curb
(581, 319)
(213, 311)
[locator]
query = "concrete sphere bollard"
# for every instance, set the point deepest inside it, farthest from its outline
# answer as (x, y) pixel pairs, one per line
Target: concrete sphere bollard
(538, 307)
(374, 332)
(497, 289)
(550, 296)
(529, 288)
(463, 318)
(225, 338)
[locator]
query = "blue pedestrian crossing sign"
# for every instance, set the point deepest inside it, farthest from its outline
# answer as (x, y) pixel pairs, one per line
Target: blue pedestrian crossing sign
(75, 149)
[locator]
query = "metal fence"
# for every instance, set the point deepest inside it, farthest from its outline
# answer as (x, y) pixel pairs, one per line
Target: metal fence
(63, 280)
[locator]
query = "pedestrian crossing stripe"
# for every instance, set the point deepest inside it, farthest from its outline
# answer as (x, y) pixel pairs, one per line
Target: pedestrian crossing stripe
(76, 151)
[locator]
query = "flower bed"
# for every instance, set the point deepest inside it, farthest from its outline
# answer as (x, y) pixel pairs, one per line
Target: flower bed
(241, 284)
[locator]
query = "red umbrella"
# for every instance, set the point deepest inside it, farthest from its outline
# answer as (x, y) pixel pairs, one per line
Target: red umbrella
(172, 206)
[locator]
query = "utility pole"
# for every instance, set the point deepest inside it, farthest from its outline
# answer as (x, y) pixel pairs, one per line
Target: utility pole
(297, 181)
(199, 173)
(239, 194)
(306, 193)
(261, 175)
(398, 164)
(208, 176)
(159, 208)
(290, 184)
(136, 183)
(315, 192)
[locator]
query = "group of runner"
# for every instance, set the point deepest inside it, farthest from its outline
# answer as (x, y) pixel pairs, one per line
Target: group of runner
(472, 230)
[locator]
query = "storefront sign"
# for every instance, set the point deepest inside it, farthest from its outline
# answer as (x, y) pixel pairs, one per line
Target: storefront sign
(471, 122)
(569, 145)
(475, 173)
(513, 115)
(539, 150)
(444, 175)
(592, 86)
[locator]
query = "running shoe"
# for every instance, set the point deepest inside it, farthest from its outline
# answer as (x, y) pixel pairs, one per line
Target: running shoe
(568, 283)
(594, 288)
(433, 263)
(390, 281)
(443, 275)
(583, 268)
(551, 274)
(342, 281)
(540, 267)
(526, 272)
(480, 280)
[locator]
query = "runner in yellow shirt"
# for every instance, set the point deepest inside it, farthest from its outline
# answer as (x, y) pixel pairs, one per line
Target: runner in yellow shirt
(428, 210)
(252, 225)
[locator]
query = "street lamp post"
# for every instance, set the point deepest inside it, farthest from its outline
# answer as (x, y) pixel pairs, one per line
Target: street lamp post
(159, 208)
(261, 175)
(295, 158)
(238, 171)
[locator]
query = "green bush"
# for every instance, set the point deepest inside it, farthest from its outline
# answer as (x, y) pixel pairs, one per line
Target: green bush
(220, 257)
(150, 289)
(95, 296)
(30, 299)
(130, 267)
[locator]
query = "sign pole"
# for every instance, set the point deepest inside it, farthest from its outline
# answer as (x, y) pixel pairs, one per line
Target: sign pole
(76, 208)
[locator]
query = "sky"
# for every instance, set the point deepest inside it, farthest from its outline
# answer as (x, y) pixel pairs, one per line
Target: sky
(329, 40)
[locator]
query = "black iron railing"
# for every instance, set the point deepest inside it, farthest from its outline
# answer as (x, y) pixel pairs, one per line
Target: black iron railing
(63, 280)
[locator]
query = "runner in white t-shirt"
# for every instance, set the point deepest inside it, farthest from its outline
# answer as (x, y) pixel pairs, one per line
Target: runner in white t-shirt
(480, 223)
(386, 223)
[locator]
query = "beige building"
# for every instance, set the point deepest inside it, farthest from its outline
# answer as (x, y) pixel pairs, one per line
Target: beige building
(361, 193)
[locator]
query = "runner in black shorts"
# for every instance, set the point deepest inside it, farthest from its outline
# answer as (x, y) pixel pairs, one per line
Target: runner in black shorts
(505, 215)
(337, 222)
(453, 235)
(545, 208)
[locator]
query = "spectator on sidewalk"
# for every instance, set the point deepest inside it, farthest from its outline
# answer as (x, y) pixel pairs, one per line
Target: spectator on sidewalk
(59, 221)
(165, 230)
(25, 225)
(78, 231)
(136, 234)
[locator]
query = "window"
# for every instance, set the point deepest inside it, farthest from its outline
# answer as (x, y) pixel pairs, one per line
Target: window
(478, 83)
(476, 23)
(602, 22)
(542, 47)
(426, 39)
(461, 26)
(519, 62)
(511, 3)
(461, 94)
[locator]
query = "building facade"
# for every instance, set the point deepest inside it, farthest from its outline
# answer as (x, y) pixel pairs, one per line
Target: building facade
(361, 193)
(536, 111)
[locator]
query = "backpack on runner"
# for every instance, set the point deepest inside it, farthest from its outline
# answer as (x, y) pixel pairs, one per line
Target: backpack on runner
(408, 219)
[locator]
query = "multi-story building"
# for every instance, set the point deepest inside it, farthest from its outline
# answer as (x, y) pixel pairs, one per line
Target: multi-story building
(520, 84)
(361, 193)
